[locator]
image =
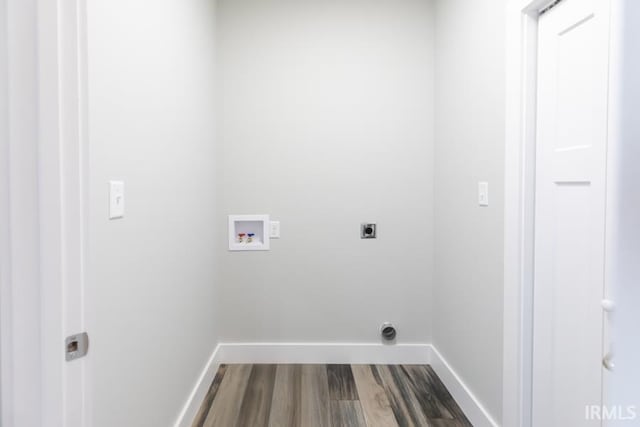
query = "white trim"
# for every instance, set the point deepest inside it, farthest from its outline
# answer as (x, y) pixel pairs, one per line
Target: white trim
(72, 195)
(199, 392)
(51, 215)
(521, 28)
(367, 353)
(323, 353)
(615, 141)
(62, 183)
(464, 397)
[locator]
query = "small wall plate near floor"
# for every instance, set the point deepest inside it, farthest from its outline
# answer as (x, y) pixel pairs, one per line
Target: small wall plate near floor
(249, 232)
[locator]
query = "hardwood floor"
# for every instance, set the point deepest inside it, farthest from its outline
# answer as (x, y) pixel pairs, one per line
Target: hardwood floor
(328, 396)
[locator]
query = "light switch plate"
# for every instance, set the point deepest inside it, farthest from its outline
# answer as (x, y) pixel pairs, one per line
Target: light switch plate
(274, 229)
(483, 193)
(116, 199)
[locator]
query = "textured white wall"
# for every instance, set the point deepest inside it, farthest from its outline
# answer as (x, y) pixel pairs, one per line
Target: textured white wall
(326, 121)
(151, 274)
(470, 119)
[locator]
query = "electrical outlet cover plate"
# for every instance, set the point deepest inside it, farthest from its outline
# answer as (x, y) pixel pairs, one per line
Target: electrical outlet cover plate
(274, 231)
(368, 231)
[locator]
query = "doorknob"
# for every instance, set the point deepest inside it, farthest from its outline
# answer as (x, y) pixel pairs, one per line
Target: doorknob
(607, 362)
(608, 305)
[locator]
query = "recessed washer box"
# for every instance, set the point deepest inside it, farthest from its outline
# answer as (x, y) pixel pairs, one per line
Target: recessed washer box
(248, 232)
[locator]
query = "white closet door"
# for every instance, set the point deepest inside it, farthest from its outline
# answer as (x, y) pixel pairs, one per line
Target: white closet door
(570, 212)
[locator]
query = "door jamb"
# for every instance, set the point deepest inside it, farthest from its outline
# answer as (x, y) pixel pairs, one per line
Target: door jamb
(64, 205)
(520, 140)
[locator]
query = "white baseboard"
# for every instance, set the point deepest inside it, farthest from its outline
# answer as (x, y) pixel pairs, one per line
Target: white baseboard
(322, 353)
(373, 353)
(200, 389)
(469, 404)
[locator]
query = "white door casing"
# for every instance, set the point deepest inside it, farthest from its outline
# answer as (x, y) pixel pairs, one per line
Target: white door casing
(63, 195)
(570, 198)
(42, 212)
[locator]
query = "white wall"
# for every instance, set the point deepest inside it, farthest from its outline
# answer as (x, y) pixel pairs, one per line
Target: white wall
(470, 114)
(326, 121)
(624, 269)
(151, 274)
(5, 247)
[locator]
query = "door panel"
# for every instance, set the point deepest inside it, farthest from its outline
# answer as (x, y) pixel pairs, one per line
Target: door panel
(570, 212)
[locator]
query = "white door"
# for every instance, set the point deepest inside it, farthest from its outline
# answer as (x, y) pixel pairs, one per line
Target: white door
(571, 148)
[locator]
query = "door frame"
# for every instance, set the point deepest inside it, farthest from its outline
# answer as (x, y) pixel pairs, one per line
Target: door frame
(58, 154)
(520, 153)
(520, 146)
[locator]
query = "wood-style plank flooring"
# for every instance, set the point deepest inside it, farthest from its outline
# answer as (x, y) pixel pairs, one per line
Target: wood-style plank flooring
(328, 396)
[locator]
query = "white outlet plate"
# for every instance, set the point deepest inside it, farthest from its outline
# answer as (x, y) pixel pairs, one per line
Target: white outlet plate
(116, 199)
(483, 193)
(274, 229)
